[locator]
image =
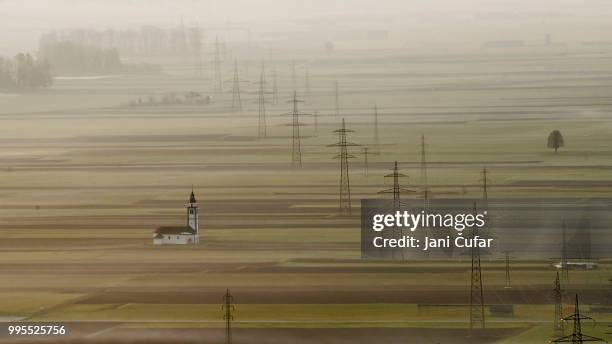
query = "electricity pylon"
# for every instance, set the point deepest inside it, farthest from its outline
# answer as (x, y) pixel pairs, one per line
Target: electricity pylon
(397, 191)
(218, 79)
(345, 186)
(564, 258)
(229, 308)
(293, 76)
(236, 101)
(558, 324)
(477, 317)
(508, 284)
(261, 124)
(307, 85)
(274, 87)
(296, 150)
(365, 161)
(424, 186)
(577, 336)
(485, 185)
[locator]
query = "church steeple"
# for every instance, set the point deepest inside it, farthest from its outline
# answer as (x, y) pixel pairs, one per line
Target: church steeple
(193, 220)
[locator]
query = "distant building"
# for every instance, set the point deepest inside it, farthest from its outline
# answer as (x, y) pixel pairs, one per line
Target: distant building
(181, 235)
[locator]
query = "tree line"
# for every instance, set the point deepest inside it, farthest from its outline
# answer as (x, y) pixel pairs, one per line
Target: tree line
(24, 72)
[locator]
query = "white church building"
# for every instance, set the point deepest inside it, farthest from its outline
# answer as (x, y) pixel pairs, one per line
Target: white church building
(181, 235)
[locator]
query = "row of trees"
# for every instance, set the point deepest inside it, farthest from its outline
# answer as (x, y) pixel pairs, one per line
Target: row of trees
(74, 58)
(24, 72)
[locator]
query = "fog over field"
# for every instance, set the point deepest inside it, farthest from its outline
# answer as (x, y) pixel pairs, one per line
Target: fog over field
(419, 24)
(125, 123)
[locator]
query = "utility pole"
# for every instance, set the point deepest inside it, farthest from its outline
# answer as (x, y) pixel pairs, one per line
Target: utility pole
(229, 308)
(577, 336)
(217, 65)
(477, 317)
(261, 125)
(236, 101)
(558, 324)
(296, 150)
(345, 186)
(316, 122)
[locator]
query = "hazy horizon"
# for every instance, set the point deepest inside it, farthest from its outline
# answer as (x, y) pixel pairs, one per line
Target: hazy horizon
(421, 23)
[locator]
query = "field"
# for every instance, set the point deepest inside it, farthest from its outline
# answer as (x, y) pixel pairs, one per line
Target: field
(85, 179)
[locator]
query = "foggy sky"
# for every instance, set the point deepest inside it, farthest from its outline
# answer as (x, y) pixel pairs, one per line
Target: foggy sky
(414, 21)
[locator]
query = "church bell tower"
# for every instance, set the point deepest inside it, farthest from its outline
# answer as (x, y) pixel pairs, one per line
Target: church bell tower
(192, 215)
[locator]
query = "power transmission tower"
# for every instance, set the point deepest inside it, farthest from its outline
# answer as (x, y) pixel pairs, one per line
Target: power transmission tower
(261, 125)
(365, 161)
(485, 185)
(397, 189)
(293, 76)
(577, 336)
(477, 318)
(307, 85)
(296, 150)
(558, 324)
(564, 258)
(508, 285)
(345, 186)
(196, 44)
(274, 87)
(218, 79)
(228, 308)
(376, 139)
(424, 185)
(236, 101)
(337, 99)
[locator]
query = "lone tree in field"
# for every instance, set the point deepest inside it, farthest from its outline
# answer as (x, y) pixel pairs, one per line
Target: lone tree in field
(555, 140)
